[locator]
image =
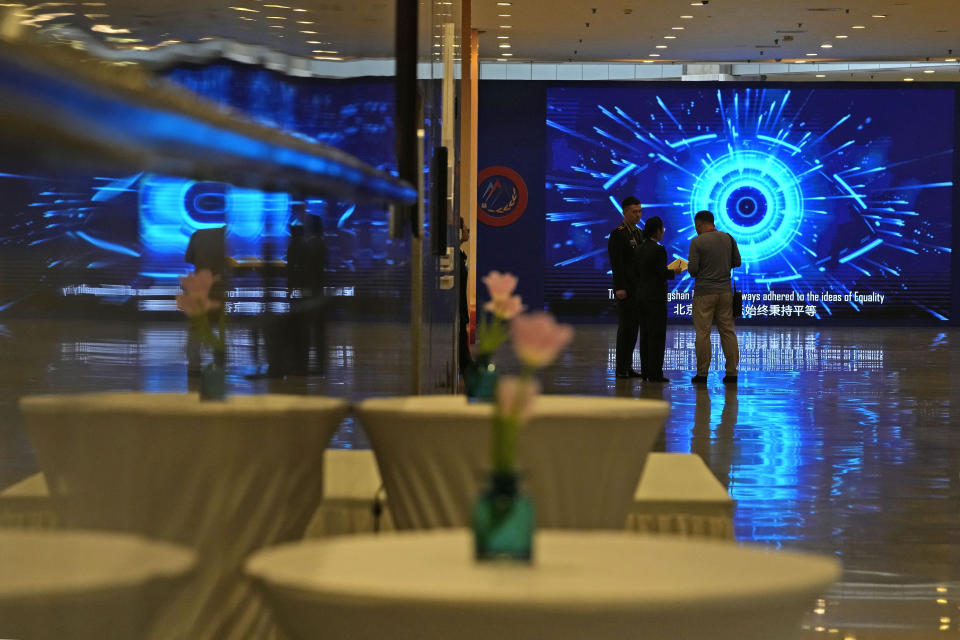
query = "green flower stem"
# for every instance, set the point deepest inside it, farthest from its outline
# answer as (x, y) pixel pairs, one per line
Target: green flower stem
(504, 444)
(506, 428)
(203, 330)
(491, 334)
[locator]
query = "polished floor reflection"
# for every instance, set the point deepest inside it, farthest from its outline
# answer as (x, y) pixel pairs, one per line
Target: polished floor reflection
(843, 441)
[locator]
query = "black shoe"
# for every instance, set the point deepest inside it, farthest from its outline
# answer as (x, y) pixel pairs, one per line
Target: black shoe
(698, 379)
(636, 374)
(658, 379)
(728, 379)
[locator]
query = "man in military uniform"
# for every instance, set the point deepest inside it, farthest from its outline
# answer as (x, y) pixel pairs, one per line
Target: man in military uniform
(622, 247)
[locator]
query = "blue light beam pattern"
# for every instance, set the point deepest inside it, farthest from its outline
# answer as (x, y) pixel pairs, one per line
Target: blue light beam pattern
(840, 208)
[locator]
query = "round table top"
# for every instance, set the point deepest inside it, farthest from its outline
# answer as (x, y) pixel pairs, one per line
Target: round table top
(44, 563)
(179, 403)
(544, 406)
(572, 570)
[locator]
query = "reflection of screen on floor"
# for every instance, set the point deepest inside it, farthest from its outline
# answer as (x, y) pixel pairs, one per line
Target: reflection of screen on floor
(839, 198)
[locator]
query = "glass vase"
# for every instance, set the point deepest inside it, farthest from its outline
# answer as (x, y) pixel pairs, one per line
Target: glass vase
(213, 382)
(503, 521)
(481, 380)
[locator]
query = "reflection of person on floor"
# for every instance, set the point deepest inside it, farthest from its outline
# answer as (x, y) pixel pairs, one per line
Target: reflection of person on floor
(206, 250)
(652, 260)
(715, 445)
(712, 255)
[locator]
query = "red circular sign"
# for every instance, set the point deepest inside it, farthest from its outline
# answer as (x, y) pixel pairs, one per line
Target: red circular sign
(501, 196)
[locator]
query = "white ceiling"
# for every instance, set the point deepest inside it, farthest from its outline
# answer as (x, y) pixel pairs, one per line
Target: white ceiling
(722, 30)
(541, 30)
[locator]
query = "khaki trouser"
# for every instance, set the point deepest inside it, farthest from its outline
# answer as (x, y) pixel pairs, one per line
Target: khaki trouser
(707, 309)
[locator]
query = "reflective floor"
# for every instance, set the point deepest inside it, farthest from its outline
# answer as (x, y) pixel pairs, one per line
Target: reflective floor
(843, 441)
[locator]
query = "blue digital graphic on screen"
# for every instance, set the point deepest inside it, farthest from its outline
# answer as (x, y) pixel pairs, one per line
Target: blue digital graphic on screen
(173, 209)
(840, 198)
(121, 238)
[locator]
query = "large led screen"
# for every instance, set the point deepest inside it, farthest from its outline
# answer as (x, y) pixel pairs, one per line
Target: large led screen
(840, 198)
(121, 239)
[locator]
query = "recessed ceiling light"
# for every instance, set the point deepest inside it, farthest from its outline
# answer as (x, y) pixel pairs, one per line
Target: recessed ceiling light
(500, 37)
(276, 17)
(654, 55)
(950, 60)
(686, 17)
(326, 58)
(505, 46)
(908, 79)
(648, 61)
(245, 9)
(501, 59)
(841, 37)
(504, 4)
(276, 26)
(300, 10)
(304, 21)
(504, 15)
(324, 51)
(309, 33)
(878, 15)
(669, 37)
(677, 28)
(277, 6)
(801, 61)
(928, 70)
(506, 26)
(826, 46)
(106, 28)
(813, 54)
(821, 75)
(858, 26)
(506, 55)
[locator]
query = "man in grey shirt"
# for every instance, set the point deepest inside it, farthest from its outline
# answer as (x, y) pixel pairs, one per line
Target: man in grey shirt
(712, 255)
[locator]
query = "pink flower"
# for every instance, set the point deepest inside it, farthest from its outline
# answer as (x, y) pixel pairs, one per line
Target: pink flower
(505, 308)
(195, 299)
(198, 283)
(538, 339)
(515, 396)
(500, 285)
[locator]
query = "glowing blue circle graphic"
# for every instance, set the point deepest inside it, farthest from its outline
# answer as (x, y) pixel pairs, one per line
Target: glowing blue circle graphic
(747, 206)
(755, 197)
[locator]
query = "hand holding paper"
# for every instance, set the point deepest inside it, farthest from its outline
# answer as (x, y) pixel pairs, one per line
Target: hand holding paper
(678, 265)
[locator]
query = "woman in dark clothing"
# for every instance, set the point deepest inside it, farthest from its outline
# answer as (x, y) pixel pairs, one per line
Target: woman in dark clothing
(652, 262)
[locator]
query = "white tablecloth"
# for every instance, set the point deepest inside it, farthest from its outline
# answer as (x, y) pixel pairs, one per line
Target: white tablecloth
(596, 585)
(81, 585)
(677, 495)
(581, 457)
(222, 477)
